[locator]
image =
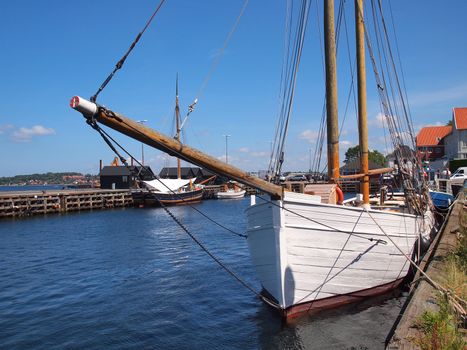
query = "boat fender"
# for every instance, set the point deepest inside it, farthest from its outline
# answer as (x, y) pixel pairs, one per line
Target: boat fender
(340, 195)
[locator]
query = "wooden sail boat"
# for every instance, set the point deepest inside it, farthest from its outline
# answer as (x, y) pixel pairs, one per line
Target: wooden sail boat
(170, 191)
(309, 253)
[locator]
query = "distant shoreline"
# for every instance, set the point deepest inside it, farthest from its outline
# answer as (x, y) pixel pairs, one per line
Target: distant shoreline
(4, 188)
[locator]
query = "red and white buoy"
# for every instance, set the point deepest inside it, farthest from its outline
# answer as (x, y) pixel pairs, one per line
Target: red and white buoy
(84, 106)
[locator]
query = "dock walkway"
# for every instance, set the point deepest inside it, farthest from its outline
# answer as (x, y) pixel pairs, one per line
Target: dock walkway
(28, 203)
(423, 294)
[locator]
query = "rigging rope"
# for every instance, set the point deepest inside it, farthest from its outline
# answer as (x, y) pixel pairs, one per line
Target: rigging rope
(456, 300)
(320, 223)
(417, 196)
(95, 126)
(326, 278)
(322, 128)
(106, 138)
(214, 65)
(122, 60)
(290, 69)
(217, 260)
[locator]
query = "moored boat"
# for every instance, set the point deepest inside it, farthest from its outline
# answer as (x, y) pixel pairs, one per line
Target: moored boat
(441, 200)
(162, 191)
(168, 192)
(231, 190)
(309, 251)
(230, 194)
(310, 255)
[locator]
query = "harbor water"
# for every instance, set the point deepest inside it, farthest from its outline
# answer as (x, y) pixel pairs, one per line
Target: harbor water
(132, 279)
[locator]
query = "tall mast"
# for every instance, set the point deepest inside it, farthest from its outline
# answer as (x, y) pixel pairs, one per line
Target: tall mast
(362, 114)
(331, 90)
(177, 121)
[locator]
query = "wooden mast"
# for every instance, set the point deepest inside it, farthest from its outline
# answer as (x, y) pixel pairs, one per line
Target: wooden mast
(331, 90)
(177, 121)
(362, 113)
(169, 145)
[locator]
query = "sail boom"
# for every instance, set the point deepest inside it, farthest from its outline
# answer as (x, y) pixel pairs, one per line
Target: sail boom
(370, 172)
(169, 145)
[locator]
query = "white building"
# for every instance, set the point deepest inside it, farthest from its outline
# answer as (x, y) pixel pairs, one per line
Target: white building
(456, 142)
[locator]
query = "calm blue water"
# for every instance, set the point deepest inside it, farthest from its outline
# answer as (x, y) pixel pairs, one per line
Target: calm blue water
(32, 188)
(131, 279)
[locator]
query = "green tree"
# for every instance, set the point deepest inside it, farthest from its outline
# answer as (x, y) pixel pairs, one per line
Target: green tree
(373, 156)
(352, 153)
(377, 158)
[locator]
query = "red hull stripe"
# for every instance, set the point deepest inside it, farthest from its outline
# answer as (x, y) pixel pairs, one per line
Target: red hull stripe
(339, 300)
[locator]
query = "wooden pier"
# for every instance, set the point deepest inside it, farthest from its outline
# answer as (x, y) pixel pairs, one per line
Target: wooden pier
(28, 203)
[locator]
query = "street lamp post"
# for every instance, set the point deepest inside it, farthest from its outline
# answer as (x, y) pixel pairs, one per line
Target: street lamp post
(142, 144)
(309, 160)
(226, 148)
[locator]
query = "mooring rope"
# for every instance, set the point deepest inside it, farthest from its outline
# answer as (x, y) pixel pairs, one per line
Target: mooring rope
(106, 136)
(456, 300)
(371, 239)
(216, 259)
(327, 279)
(95, 126)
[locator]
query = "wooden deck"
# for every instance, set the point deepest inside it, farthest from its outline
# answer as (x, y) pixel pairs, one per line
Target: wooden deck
(28, 203)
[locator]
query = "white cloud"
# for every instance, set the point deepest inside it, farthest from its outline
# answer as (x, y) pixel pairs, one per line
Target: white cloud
(378, 121)
(259, 154)
(309, 135)
(346, 143)
(427, 98)
(26, 134)
(244, 150)
(5, 127)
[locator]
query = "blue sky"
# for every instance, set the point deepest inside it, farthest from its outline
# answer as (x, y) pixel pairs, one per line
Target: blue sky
(52, 50)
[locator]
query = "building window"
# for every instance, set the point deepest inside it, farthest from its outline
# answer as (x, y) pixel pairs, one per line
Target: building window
(125, 178)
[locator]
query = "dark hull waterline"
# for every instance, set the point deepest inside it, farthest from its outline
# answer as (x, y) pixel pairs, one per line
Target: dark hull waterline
(150, 198)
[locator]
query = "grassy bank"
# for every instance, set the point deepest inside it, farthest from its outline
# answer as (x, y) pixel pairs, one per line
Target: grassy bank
(444, 328)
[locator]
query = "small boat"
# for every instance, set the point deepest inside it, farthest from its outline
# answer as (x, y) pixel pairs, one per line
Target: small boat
(231, 191)
(231, 194)
(168, 192)
(441, 200)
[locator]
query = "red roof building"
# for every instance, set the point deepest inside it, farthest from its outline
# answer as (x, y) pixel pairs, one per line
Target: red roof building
(460, 118)
(430, 141)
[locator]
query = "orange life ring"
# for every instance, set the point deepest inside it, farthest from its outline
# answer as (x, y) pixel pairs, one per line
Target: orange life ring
(340, 195)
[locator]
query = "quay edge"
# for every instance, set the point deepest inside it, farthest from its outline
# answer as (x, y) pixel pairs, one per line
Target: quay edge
(422, 295)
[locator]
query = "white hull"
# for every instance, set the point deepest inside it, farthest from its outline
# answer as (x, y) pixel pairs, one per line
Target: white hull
(230, 194)
(301, 261)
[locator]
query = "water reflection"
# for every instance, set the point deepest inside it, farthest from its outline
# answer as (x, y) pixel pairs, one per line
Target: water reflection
(131, 279)
(362, 325)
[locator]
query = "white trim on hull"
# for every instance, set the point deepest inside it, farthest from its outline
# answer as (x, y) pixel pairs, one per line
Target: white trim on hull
(309, 251)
